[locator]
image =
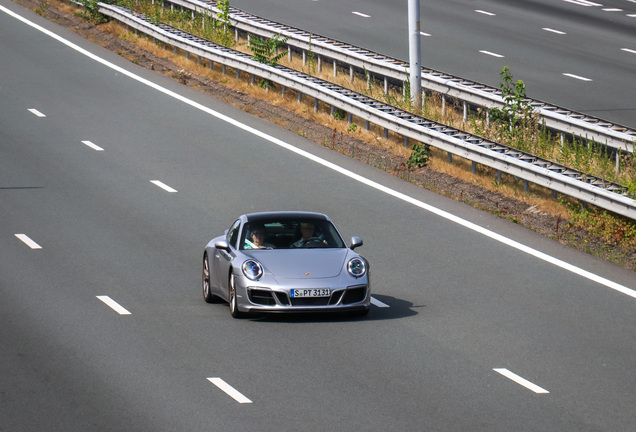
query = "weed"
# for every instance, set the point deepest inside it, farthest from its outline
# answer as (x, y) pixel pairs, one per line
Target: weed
(419, 156)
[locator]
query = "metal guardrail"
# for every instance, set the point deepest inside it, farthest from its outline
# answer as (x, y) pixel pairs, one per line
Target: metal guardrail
(476, 94)
(525, 166)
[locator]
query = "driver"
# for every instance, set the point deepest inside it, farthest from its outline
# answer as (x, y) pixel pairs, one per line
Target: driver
(307, 230)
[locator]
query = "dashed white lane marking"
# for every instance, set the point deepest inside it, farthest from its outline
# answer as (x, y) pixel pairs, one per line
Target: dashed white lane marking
(585, 3)
(27, 241)
(521, 381)
(361, 14)
(483, 12)
(577, 77)
(93, 146)
(229, 390)
(163, 186)
(612, 10)
(628, 50)
(114, 305)
(425, 34)
(36, 112)
(378, 303)
(559, 32)
(491, 53)
(356, 177)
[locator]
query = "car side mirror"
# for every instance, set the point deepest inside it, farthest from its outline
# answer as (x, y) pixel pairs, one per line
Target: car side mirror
(355, 242)
(222, 244)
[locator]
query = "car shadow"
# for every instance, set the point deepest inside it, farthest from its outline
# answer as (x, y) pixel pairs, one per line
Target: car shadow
(392, 308)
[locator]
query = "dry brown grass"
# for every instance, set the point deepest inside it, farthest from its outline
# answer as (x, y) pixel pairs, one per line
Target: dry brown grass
(459, 168)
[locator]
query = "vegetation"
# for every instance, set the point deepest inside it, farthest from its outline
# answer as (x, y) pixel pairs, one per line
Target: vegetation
(266, 52)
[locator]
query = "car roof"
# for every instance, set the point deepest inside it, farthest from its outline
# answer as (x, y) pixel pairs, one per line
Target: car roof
(261, 216)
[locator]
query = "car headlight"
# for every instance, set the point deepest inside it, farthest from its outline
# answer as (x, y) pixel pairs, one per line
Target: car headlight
(252, 269)
(357, 268)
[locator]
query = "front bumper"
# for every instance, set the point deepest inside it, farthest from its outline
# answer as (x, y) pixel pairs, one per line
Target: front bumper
(262, 299)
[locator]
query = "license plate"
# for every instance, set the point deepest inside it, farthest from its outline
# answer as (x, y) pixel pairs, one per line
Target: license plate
(313, 292)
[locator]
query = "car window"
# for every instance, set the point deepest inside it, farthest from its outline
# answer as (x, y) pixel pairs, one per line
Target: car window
(291, 233)
(232, 235)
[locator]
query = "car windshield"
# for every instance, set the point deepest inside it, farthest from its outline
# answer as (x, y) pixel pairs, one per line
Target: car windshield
(290, 233)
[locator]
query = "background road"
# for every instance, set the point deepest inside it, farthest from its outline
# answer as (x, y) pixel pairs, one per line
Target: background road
(578, 54)
(80, 143)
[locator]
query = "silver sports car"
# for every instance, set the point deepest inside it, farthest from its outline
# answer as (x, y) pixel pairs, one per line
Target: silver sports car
(285, 262)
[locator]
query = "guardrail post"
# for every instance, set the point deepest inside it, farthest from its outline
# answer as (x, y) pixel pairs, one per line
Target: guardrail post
(304, 58)
(350, 74)
(367, 124)
(289, 53)
(224, 69)
(349, 118)
(386, 86)
(618, 158)
(526, 186)
(238, 74)
(498, 176)
(319, 64)
(300, 97)
(406, 142)
(443, 105)
(450, 157)
(474, 167)
(335, 69)
(315, 104)
(465, 111)
(282, 92)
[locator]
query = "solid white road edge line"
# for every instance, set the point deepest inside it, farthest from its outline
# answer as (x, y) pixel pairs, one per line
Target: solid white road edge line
(27, 241)
(512, 243)
(229, 390)
(93, 146)
(114, 305)
(163, 186)
(521, 381)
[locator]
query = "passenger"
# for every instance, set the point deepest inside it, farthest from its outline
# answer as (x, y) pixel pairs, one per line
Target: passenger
(258, 235)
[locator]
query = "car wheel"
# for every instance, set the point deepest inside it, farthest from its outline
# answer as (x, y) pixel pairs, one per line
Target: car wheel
(234, 311)
(207, 291)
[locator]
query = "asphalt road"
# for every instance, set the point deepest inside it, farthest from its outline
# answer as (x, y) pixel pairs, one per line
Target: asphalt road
(578, 54)
(103, 322)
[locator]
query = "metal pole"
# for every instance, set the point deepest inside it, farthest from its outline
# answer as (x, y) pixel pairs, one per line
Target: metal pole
(415, 54)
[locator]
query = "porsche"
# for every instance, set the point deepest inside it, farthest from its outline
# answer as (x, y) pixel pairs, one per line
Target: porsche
(285, 262)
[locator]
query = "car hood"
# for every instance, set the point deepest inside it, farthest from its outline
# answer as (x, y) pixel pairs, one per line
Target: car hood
(302, 263)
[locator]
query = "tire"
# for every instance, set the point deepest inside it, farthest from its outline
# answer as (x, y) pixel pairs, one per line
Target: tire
(205, 282)
(234, 311)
